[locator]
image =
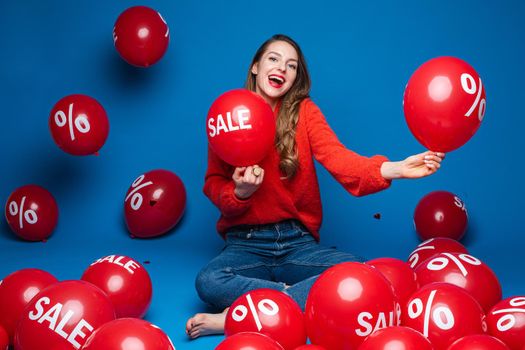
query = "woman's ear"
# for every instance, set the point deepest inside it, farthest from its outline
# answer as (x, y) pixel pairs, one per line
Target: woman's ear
(254, 68)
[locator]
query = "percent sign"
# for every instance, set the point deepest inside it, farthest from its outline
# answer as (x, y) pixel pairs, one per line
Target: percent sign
(468, 83)
(29, 215)
(414, 257)
(441, 262)
(136, 198)
(266, 306)
(508, 321)
(81, 122)
(442, 317)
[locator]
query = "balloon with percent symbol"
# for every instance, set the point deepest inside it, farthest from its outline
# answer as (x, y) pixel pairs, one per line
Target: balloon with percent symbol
(31, 212)
(396, 338)
(128, 334)
(443, 313)
(506, 321)
(478, 342)
(4, 339)
(432, 247)
(62, 316)
(125, 281)
(465, 271)
(440, 214)
(347, 303)
(141, 36)
(16, 291)
(269, 312)
(444, 103)
(310, 347)
(399, 274)
(79, 125)
(249, 340)
(240, 127)
(154, 203)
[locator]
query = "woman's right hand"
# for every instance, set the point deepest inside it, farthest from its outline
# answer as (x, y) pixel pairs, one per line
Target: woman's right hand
(246, 181)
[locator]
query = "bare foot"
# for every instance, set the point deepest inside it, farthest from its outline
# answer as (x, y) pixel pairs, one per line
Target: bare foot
(206, 324)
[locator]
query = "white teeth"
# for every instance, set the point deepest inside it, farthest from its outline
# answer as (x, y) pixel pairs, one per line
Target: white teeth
(277, 79)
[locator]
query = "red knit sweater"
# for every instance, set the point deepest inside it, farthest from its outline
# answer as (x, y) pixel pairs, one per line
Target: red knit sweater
(279, 199)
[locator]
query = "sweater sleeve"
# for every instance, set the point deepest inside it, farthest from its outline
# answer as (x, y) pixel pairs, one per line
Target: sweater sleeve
(219, 187)
(359, 175)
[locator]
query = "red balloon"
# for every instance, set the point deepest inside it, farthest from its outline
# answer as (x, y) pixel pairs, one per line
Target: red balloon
(79, 125)
(506, 321)
(478, 342)
(399, 274)
(125, 281)
(310, 347)
(464, 271)
(443, 313)
(241, 127)
(249, 341)
(347, 303)
(441, 214)
(31, 212)
(16, 291)
(128, 334)
(62, 316)
(444, 103)
(154, 203)
(403, 338)
(434, 246)
(269, 312)
(4, 339)
(141, 36)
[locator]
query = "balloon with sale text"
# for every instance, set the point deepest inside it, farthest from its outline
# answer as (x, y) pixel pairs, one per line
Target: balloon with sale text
(240, 127)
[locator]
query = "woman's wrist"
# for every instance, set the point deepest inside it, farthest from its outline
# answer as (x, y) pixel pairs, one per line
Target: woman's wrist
(391, 170)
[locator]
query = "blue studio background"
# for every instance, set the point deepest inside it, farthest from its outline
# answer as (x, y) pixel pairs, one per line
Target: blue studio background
(360, 54)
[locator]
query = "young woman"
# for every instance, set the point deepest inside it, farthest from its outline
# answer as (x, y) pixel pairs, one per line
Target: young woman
(271, 212)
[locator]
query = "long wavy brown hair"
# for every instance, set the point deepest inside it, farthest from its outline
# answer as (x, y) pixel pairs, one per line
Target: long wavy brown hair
(288, 115)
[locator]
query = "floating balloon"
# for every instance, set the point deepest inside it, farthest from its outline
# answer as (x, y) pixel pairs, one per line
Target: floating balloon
(31, 212)
(79, 125)
(128, 334)
(506, 321)
(444, 103)
(399, 274)
(434, 246)
(310, 347)
(465, 271)
(249, 341)
(440, 214)
(154, 203)
(141, 36)
(478, 342)
(240, 127)
(125, 281)
(443, 313)
(396, 338)
(63, 316)
(269, 312)
(16, 291)
(347, 303)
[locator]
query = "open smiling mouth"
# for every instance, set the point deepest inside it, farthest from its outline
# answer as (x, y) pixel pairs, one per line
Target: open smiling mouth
(276, 81)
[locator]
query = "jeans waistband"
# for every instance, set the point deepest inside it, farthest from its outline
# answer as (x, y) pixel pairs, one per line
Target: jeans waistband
(281, 226)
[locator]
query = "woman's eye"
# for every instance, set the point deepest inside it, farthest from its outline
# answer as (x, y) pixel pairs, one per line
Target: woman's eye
(292, 66)
(273, 59)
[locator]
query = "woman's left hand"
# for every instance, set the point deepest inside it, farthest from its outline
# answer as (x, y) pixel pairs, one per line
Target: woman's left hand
(421, 165)
(413, 167)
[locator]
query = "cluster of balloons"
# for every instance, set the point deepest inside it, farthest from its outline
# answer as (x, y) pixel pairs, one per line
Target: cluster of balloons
(104, 307)
(441, 298)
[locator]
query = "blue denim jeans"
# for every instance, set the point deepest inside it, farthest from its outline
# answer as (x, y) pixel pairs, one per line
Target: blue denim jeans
(266, 256)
